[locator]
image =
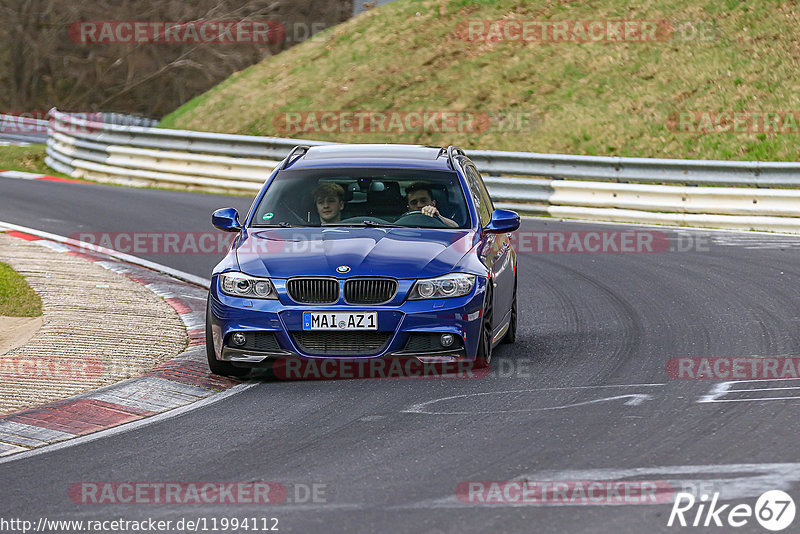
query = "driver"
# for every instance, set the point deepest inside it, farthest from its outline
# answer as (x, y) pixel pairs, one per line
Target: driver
(420, 197)
(329, 199)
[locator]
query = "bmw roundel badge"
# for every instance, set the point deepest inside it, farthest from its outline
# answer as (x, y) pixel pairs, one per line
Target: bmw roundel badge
(343, 269)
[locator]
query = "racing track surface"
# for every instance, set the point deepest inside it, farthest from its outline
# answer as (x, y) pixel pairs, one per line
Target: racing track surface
(584, 389)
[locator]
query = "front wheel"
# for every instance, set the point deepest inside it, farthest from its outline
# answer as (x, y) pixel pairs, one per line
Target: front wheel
(484, 356)
(218, 367)
(511, 333)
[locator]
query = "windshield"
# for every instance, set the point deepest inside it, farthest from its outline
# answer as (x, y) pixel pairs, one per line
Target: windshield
(364, 197)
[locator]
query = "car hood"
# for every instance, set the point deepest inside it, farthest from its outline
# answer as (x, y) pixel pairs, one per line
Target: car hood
(394, 252)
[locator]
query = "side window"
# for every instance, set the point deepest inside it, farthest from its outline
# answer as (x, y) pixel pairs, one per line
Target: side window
(484, 192)
(478, 193)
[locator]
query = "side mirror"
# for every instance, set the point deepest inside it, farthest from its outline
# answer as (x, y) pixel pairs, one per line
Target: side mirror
(226, 219)
(503, 221)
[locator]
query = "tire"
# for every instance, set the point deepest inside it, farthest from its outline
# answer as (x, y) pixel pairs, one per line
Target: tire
(511, 333)
(219, 367)
(483, 358)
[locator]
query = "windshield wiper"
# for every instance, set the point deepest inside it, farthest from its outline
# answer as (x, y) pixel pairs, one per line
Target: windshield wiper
(368, 222)
(362, 224)
(279, 225)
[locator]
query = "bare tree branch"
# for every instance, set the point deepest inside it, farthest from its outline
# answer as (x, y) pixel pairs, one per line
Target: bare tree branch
(43, 67)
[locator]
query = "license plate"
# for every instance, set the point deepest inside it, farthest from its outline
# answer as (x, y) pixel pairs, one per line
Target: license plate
(340, 321)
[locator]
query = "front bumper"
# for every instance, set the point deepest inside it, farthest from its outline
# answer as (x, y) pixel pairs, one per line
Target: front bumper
(399, 320)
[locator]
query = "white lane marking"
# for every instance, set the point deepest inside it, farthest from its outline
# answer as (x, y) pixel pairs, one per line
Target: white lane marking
(22, 433)
(18, 175)
(147, 420)
(161, 289)
(718, 391)
(635, 399)
(756, 400)
(152, 394)
(193, 320)
(748, 239)
(769, 389)
(732, 481)
(693, 230)
(58, 247)
(7, 448)
(133, 425)
(180, 275)
(113, 266)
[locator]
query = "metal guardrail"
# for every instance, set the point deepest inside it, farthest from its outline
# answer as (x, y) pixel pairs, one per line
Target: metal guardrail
(31, 130)
(16, 128)
(124, 119)
(650, 170)
(590, 187)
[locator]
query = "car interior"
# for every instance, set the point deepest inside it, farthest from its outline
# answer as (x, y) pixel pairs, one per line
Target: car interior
(375, 198)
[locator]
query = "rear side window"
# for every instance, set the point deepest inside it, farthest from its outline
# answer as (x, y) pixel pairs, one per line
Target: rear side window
(484, 192)
(479, 195)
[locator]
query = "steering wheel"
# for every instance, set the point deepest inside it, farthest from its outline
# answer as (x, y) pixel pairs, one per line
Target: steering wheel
(416, 216)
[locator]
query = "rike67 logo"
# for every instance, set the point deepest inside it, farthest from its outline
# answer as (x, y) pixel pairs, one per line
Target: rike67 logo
(774, 510)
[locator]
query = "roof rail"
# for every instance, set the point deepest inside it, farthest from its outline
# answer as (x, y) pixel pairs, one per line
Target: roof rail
(453, 151)
(299, 149)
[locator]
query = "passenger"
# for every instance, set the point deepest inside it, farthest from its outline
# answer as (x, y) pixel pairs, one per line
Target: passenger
(329, 198)
(420, 197)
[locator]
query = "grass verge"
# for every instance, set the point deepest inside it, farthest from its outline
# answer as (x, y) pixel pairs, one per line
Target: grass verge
(17, 299)
(26, 159)
(31, 159)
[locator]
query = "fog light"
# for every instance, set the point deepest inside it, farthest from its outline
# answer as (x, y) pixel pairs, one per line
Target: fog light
(441, 358)
(447, 340)
(238, 339)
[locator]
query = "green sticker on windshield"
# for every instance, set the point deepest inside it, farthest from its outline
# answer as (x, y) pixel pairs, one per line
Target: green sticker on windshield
(268, 216)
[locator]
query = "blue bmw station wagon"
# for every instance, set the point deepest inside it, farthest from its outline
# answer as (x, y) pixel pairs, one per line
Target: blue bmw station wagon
(365, 251)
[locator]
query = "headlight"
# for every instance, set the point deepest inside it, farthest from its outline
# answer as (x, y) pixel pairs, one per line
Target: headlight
(242, 285)
(443, 287)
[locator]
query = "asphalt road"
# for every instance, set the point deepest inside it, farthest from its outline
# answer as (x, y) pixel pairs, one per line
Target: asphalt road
(120, 214)
(583, 395)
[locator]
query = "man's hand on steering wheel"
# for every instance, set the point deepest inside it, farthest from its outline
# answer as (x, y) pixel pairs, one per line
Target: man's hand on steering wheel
(430, 211)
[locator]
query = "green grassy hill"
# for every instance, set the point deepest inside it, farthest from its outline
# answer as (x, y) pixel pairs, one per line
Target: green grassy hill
(599, 98)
